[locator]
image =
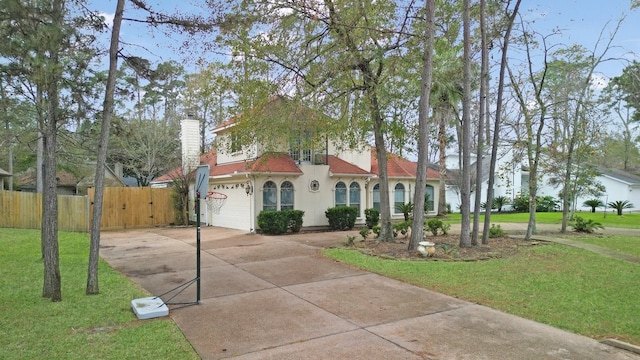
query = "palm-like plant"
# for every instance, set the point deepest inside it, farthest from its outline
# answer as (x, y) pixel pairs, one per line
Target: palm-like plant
(593, 203)
(500, 201)
(405, 209)
(620, 205)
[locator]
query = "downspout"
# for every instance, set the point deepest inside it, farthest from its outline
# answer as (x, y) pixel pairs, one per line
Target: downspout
(252, 220)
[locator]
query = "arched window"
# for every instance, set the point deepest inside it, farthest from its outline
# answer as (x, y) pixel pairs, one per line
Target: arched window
(376, 197)
(269, 196)
(354, 196)
(429, 198)
(341, 194)
(398, 197)
(286, 196)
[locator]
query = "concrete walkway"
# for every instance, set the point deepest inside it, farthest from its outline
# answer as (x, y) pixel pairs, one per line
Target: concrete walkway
(277, 298)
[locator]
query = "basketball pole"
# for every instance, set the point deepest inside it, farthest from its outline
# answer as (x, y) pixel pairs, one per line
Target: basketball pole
(198, 248)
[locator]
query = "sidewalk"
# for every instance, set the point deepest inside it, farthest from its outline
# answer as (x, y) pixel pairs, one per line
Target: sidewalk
(276, 298)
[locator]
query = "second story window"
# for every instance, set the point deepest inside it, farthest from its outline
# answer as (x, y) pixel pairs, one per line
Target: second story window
(300, 148)
(236, 145)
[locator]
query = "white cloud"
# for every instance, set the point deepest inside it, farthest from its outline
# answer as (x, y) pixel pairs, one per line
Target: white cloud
(108, 18)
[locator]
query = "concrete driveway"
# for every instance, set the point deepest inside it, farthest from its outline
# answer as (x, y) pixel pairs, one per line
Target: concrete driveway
(275, 297)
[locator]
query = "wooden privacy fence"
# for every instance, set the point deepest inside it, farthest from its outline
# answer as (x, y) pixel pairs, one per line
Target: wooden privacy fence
(122, 208)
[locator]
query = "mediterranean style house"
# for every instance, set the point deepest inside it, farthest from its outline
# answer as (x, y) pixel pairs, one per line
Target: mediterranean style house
(254, 179)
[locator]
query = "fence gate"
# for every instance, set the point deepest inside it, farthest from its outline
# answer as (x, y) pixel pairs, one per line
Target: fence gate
(134, 207)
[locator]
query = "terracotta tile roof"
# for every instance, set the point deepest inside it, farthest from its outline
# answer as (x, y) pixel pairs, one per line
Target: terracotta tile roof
(267, 163)
(275, 163)
(338, 166)
(399, 167)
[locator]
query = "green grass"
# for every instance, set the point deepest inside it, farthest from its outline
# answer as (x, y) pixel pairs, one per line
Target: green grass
(625, 244)
(627, 220)
(565, 287)
(99, 326)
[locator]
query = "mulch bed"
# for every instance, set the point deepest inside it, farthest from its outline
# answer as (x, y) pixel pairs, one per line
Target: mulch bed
(447, 248)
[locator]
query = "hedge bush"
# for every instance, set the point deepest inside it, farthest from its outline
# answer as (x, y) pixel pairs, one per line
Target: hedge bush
(341, 217)
(274, 222)
(371, 216)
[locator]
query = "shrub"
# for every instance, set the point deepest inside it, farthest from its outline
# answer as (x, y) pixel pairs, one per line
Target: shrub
(351, 240)
(402, 228)
(543, 204)
(546, 204)
(376, 230)
(364, 232)
(496, 231)
(294, 220)
(434, 225)
(341, 217)
(445, 228)
(274, 222)
(588, 226)
(521, 203)
(372, 216)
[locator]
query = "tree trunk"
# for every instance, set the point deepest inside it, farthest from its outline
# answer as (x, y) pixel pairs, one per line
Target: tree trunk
(465, 186)
(417, 228)
(484, 90)
(94, 249)
(497, 122)
(52, 282)
(386, 231)
(442, 166)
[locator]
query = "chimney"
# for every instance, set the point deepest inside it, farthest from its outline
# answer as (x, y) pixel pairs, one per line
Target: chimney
(117, 168)
(189, 135)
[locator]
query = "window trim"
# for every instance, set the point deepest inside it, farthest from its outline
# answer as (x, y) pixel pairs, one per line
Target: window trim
(275, 191)
(287, 188)
(335, 194)
(395, 200)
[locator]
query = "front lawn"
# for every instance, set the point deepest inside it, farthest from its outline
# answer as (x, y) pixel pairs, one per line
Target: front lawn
(565, 287)
(625, 244)
(80, 327)
(627, 220)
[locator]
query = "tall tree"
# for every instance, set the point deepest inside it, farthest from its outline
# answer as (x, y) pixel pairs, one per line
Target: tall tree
(465, 186)
(572, 93)
(107, 111)
(529, 91)
(51, 53)
(417, 227)
(482, 117)
(207, 98)
(497, 123)
(622, 95)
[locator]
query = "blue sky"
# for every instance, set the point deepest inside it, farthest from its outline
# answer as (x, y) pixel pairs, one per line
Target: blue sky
(580, 21)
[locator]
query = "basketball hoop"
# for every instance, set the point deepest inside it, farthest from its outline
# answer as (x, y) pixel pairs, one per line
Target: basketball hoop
(215, 201)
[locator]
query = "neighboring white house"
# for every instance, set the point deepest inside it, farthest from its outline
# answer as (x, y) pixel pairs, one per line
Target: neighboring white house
(254, 179)
(511, 180)
(507, 181)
